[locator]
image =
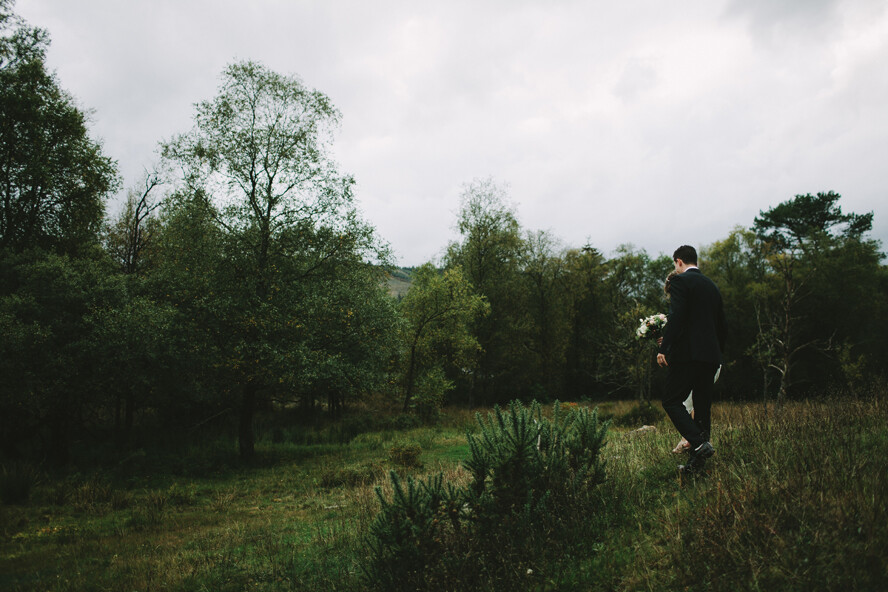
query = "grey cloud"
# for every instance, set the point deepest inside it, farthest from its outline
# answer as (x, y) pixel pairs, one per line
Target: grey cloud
(772, 21)
(639, 75)
(599, 117)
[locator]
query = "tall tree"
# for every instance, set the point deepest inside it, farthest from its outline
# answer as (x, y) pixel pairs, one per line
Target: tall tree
(490, 255)
(259, 154)
(799, 234)
(544, 275)
(130, 234)
(53, 178)
(54, 181)
(590, 320)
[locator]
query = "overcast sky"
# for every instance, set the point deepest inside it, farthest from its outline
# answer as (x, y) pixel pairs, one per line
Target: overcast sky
(646, 122)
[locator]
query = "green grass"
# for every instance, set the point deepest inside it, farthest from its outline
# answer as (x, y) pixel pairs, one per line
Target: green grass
(795, 499)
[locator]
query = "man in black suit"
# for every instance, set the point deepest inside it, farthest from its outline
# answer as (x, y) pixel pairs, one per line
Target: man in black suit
(691, 348)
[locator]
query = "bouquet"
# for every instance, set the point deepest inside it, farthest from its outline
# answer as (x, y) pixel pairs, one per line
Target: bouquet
(651, 327)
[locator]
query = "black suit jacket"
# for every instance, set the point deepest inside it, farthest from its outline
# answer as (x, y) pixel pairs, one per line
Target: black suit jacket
(696, 330)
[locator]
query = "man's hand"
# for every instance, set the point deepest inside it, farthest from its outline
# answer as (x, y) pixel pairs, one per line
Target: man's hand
(661, 360)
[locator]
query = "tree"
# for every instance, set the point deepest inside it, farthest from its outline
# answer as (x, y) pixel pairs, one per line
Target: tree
(186, 271)
(634, 285)
(258, 156)
(590, 319)
(130, 234)
(544, 274)
(53, 177)
(25, 43)
(139, 360)
(439, 309)
(847, 307)
(50, 307)
(738, 266)
(634, 276)
(347, 326)
(53, 280)
(799, 234)
(490, 255)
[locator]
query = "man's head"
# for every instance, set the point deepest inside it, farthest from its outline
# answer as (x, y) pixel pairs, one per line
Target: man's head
(684, 256)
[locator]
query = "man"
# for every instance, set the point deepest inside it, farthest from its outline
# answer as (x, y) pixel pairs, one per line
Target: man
(691, 349)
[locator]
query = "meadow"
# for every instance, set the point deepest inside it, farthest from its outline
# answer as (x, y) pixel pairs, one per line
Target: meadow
(796, 498)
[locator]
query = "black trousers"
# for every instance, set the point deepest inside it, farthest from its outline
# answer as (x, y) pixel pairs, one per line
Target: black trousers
(683, 378)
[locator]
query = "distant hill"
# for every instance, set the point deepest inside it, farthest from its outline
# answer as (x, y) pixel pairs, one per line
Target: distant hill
(399, 281)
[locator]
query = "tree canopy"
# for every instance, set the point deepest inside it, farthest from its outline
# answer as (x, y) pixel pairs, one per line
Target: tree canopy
(54, 178)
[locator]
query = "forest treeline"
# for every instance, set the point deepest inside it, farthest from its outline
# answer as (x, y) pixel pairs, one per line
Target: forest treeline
(239, 278)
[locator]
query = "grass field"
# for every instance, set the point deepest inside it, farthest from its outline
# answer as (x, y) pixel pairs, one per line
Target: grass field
(796, 499)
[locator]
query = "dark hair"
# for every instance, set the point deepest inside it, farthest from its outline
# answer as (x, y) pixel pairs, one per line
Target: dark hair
(686, 253)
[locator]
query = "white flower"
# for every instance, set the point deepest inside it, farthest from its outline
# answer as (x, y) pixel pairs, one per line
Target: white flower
(652, 326)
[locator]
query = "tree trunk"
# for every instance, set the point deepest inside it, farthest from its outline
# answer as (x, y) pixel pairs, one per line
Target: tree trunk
(784, 382)
(410, 379)
(335, 403)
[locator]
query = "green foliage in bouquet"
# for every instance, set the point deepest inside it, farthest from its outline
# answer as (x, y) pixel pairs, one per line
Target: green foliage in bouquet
(528, 474)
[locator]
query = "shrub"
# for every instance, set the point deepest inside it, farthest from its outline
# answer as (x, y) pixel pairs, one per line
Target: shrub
(349, 476)
(520, 460)
(528, 475)
(406, 455)
(16, 482)
(408, 534)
